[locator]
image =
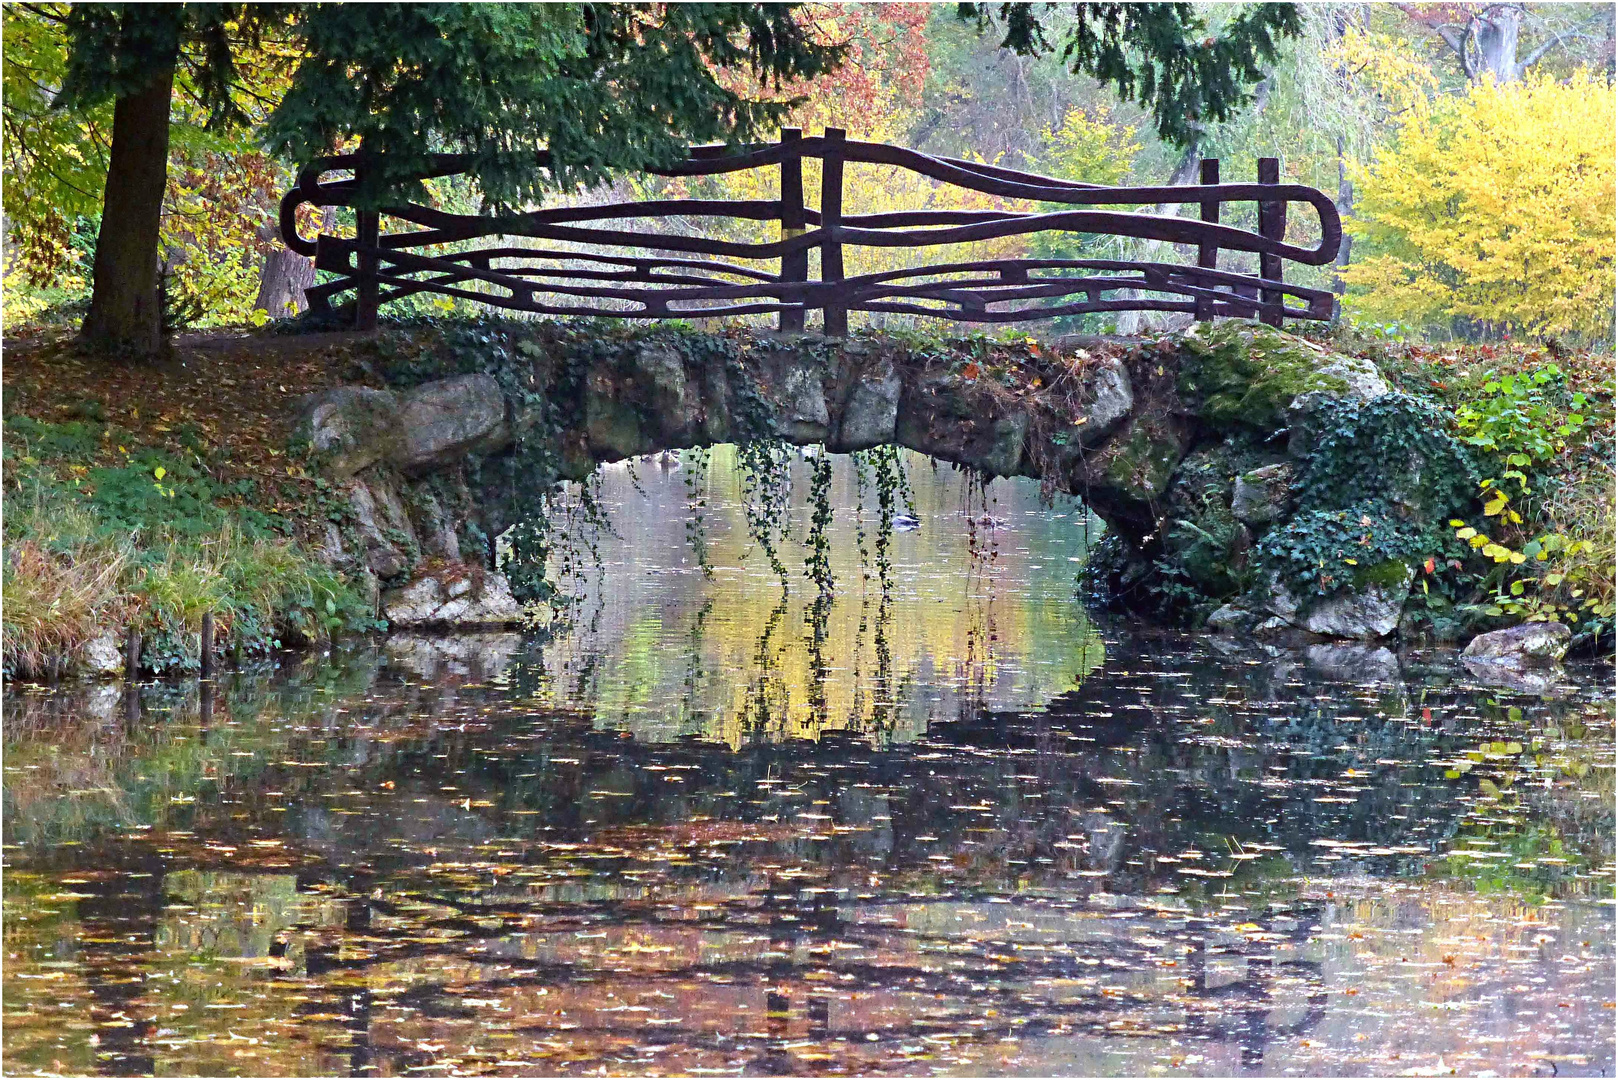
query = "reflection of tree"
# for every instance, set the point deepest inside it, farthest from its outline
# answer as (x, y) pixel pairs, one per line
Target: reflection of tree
(693, 710)
(819, 610)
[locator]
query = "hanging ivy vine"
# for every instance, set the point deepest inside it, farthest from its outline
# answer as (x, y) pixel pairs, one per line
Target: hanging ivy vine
(817, 567)
(766, 468)
(892, 491)
(696, 463)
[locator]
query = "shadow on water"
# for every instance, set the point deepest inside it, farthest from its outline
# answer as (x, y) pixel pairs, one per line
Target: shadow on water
(954, 829)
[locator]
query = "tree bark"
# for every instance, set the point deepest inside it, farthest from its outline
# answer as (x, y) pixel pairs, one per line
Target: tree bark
(284, 277)
(125, 309)
(1496, 30)
(1345, 209)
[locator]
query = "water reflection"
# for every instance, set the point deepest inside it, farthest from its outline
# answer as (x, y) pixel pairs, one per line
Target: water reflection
(980, 611)
(449, 856)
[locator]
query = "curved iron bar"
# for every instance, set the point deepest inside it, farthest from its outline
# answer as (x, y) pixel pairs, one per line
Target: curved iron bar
(675, 280)
(962, 302)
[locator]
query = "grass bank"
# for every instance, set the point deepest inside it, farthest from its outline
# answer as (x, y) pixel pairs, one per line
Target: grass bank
(1539, 421)
(142, 496)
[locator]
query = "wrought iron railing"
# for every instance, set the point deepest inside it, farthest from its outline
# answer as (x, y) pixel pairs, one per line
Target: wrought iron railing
(630, 273)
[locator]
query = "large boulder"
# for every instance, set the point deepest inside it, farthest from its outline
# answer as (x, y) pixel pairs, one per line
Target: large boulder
(453, 595)
(102, 656)
(1127, 477)
(1368, 611)
(947, 416)
(350, 428)
(447, 419)
(871, 412)
(1110, 401)
(799, 386)
(1250, 374)
(386, 539)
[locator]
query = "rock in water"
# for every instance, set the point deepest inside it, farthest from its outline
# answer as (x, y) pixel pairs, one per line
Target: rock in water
(103, 656)
(1231, 619)
(453, 596)
(1364, 613)
(1530, 644)
(1368, 613)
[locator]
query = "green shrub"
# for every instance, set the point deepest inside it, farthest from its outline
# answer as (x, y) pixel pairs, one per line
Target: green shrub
(1324, 552)
(1523, 420)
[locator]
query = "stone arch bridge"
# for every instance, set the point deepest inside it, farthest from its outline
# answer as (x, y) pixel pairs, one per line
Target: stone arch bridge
(434, 465)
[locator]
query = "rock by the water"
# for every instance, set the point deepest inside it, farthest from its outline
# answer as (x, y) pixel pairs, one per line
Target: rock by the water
(387, 541)
(803, 415)
(1260, 496)
(1110, 404)
(1366, 613)
(103, 656)
(350, 428)
(1529, 644)
(454, 596)
(448, 418)
(1250, 374)
(1230, 619)
(872, 410)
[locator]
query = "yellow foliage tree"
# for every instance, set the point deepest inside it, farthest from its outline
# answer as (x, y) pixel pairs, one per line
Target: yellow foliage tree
(1090, 148)
(1493, 212)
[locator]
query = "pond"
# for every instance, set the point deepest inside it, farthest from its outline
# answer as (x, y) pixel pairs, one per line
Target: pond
(957, 826)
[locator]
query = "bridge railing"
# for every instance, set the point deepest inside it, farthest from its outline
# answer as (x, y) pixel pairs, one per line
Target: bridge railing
(631, 271)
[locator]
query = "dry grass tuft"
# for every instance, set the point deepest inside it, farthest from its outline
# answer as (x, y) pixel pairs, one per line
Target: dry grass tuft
(54, 604)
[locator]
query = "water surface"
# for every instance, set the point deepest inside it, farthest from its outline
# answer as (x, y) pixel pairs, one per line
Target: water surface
(962, 829)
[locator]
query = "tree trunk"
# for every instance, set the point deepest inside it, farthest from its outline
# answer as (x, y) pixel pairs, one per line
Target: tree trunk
(284, 277)
(125, 310)
(1497, 32)
(1345, 208)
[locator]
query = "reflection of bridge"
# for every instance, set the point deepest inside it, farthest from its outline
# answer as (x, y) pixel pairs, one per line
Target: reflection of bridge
(643, 269)
(1215, 982)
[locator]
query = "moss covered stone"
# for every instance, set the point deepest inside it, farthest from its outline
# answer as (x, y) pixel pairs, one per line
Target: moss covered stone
(1389, 574)
(1142, 463)
(1248, 374)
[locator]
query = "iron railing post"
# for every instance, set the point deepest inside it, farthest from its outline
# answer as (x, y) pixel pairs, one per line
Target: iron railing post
(1272, 225)
(831, 219)
(367, 233)
(1208, 251)
(794, 264)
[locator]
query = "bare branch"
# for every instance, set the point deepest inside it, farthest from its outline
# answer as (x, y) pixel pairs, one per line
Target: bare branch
(1558, 38)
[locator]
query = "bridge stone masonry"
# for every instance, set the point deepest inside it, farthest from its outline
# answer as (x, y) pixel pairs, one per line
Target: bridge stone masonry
(1211, 420)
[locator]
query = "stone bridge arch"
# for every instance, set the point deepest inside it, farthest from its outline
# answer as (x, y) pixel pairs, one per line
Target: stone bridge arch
(435, 466)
